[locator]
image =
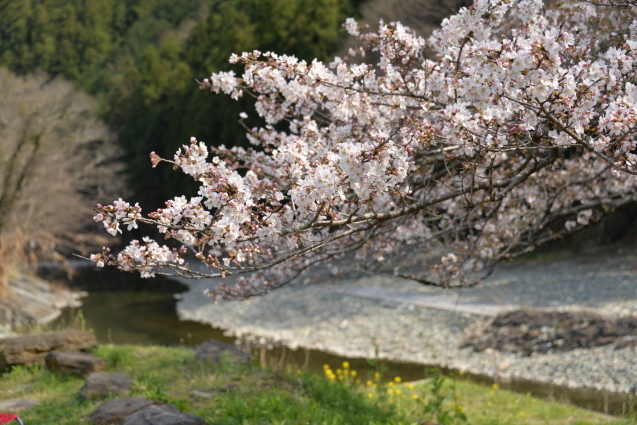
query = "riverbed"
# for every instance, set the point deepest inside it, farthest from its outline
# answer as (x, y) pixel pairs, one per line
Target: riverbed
(325, 324)
(342, 318)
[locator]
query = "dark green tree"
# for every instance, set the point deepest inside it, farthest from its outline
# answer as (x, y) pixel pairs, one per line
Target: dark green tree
(141, 57)
(167, 108)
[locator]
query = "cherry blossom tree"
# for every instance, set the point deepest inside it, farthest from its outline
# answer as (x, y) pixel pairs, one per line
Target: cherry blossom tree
(518, 129)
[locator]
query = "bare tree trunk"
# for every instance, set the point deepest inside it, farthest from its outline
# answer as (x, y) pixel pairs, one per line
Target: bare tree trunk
(11, 254)
(5, 267)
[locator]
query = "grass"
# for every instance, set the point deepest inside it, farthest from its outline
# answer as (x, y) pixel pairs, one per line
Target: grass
(237, 394)
(484, 405)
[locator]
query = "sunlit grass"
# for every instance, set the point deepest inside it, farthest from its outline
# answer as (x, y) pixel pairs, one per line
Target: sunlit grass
(444, 400)
(224, 393)
(227, 393)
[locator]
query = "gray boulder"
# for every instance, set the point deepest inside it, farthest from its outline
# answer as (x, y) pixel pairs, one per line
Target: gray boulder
(32, 349)
(113, 412)
(164, 414)
(78, 364)
(101, 385)
(31, 301)
(214, 350)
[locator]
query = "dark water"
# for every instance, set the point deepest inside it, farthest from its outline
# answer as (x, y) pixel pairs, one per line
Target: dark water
(139, 317)
(124, 309)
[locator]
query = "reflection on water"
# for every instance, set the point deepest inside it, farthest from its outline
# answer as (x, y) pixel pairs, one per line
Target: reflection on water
(142, 316)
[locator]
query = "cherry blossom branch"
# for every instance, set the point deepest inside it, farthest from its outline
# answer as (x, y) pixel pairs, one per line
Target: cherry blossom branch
(519, 129)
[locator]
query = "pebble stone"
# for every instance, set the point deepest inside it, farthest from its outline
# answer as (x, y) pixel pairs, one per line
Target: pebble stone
(319, 316)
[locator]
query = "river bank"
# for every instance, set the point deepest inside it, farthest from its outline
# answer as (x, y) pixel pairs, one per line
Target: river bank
(337, 317)
(33, 301)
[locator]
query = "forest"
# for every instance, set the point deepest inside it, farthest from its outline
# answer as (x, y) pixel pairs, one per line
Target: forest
(141, 58)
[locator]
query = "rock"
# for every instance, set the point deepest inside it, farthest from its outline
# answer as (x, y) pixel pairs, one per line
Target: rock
(14, 404)
(113, 412)
(101, 385)
(164, 414)
(504, 365)
(215, 350)
(32, 349)
(31, 301)
(78, 364)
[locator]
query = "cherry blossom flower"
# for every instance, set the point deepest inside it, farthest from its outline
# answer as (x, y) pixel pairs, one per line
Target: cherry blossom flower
(513, 125)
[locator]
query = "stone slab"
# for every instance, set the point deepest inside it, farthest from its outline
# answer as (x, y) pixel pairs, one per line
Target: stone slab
(33, 348)
(165, 414)
(72, 363)
(113, 412)
(101, 385)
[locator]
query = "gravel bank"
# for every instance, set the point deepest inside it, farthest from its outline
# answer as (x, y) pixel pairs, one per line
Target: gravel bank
(326, 317)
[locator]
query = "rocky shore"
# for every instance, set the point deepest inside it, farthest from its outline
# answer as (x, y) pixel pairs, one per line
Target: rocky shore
(410, 323)
(33, 301)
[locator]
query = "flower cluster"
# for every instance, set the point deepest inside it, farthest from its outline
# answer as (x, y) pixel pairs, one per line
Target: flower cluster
(434, 399)
(514, 124)
(119, 212)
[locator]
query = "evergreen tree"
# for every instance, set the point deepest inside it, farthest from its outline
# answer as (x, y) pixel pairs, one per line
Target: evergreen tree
(141, 57)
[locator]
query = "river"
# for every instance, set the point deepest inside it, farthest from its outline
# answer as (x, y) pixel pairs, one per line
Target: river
(121, 308)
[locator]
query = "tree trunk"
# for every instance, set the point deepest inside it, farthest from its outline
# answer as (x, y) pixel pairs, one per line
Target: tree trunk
(5, 266)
